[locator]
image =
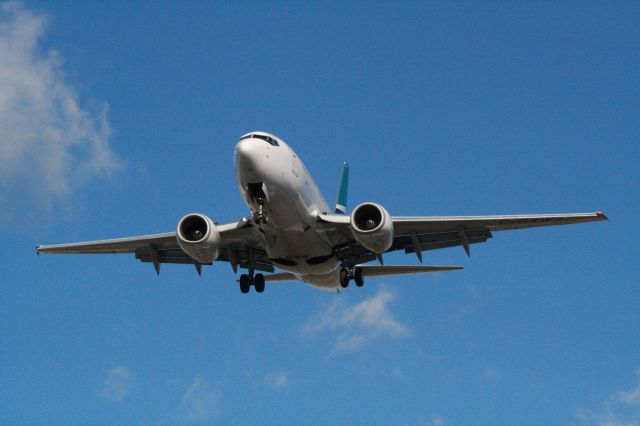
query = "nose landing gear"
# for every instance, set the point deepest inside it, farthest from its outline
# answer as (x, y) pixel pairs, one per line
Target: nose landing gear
(259, 215)
(256, 190)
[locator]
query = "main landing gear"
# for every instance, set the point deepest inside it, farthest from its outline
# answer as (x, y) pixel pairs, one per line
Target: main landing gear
(348, 274)
(248, 280)
(251, 279)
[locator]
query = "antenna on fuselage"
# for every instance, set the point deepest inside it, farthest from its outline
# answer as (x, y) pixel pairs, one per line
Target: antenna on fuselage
(343, 189)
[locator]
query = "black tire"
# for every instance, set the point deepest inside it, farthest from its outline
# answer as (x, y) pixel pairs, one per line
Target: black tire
(344, 278)
(245, 283)
(358, 278)
(258, 283)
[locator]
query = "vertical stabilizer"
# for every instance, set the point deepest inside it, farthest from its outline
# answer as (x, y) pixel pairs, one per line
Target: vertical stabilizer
(341, 198)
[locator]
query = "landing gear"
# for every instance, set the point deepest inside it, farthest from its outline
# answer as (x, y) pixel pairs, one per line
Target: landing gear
(260, 217)
(246, 281)
(347, 275)
(258, 283)
(344, 278)
(357, 277)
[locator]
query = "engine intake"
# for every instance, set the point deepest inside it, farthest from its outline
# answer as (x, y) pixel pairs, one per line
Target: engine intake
(198, 236)
(372, 227)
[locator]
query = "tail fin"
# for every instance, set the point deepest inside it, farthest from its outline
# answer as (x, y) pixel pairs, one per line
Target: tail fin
(341, 198)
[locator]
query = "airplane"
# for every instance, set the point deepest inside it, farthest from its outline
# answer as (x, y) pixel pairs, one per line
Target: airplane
(292, 228)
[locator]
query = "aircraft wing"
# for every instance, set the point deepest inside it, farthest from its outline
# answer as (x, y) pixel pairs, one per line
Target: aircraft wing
(116, 245)
(421, 233)
(237, 240)
(407, 225)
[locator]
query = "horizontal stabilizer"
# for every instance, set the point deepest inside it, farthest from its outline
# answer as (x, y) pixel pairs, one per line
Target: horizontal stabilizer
(377, 270)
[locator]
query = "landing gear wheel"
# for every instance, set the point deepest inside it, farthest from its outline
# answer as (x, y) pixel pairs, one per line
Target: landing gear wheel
(344, 278)
(357, 277)
(245, 283)
(258, 283)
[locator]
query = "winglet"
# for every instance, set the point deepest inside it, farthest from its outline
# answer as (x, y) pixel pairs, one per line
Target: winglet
(341, 198)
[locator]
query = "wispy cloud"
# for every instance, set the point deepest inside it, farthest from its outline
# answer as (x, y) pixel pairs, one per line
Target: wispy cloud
(50, 144)
(357, 325)
(436, 421)
(200, 401)
(622, 408)
(277, 379)
(431, 421)
(117, 384)
(631, 397)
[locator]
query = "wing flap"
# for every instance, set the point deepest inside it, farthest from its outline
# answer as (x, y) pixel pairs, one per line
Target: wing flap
(439, 240)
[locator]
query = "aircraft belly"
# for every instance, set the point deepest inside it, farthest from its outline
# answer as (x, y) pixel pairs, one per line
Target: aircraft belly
(291, 203)
(329, 281)
(286, 211)
(311, 254)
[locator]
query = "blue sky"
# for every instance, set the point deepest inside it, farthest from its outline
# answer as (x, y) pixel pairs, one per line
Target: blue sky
(116, 119)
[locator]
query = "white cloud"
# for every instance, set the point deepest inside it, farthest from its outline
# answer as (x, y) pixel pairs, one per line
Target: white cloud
(620, 409)
(200, 401)
(433, 421)
(276, 379)
(117, 384)
(49, 143)
(437, 421)
(358, 325)
(631, 397)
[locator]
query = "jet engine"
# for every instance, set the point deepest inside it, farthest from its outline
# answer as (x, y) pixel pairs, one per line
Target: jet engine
(372, 227)
(198, 236)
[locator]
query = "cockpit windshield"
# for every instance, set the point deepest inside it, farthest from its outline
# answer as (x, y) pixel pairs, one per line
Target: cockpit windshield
(268, 139)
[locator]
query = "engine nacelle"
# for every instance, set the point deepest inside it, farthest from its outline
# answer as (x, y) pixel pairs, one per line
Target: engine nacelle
(372, 227)
(198, 236)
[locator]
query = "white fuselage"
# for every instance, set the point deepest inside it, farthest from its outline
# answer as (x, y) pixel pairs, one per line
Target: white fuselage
(270, 172)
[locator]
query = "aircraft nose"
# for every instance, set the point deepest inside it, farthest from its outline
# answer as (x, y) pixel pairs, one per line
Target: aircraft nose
(249, 153)
(243, 149)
